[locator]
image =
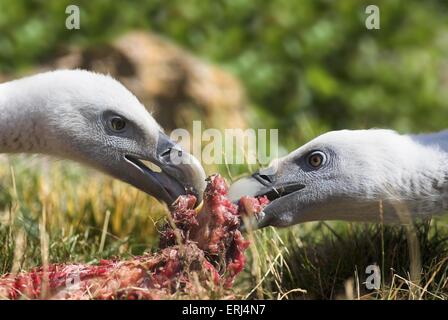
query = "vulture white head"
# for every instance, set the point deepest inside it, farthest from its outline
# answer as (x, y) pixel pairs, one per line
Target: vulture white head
(354, 175)
(93, 119)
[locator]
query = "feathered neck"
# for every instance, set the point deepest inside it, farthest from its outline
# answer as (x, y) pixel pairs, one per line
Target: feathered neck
(23, 113)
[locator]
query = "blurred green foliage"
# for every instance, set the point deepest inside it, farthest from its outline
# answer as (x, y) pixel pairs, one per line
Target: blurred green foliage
(309, 66)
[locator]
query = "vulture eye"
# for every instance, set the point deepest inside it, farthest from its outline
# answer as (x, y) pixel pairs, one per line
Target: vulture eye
(316, 159)
(117, 124)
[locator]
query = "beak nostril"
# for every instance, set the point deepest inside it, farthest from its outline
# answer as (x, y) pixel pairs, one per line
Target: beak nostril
(166, 153)
(264, 178)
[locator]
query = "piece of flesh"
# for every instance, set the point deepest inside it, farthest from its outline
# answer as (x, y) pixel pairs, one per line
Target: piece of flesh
(198, 251)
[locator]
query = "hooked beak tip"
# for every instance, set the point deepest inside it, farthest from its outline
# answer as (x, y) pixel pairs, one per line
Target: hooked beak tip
(182, 167)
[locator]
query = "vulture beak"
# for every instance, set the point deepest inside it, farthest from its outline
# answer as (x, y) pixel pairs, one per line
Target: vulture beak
(169, 173)
(266, 182)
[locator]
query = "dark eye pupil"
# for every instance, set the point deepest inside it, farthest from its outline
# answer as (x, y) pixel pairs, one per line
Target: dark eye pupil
(118, 124)
(316, 160)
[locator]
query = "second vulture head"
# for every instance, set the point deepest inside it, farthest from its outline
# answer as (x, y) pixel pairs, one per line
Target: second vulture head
(353, 175)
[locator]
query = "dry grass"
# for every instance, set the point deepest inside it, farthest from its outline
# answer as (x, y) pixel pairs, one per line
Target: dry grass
(70, 205)
(329, 260)
(60, 212)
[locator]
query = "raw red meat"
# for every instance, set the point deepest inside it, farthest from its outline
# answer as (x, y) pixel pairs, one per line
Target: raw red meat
(198, 251)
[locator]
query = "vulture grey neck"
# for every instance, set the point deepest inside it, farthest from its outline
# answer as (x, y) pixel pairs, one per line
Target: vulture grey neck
(420, 190)
(23, 114)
